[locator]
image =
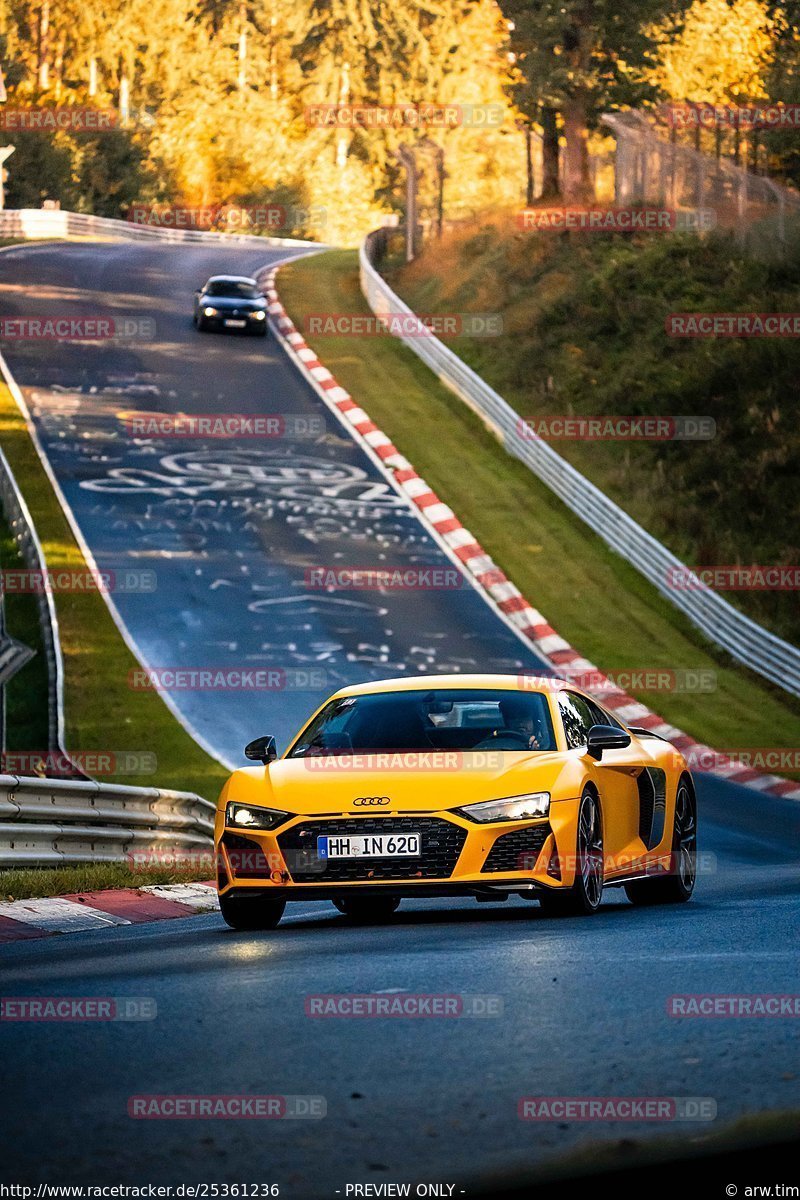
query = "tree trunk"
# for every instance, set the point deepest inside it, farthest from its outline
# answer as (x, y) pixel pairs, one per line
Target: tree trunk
(528, 166)
(551, 184)
(58, 69)
(241, 80)
(577, 184)
(273, 53)
(43, 65)
(342, 135)
(124, 100)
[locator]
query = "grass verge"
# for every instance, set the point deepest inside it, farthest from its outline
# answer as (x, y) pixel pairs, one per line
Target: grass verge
(34, 884)
(591, 596)
(103, 714)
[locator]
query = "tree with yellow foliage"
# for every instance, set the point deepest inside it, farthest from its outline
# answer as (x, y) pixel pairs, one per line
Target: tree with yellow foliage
(719, 52)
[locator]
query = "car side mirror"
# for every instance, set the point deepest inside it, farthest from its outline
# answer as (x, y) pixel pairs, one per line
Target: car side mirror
(263, 750)
(606, 737)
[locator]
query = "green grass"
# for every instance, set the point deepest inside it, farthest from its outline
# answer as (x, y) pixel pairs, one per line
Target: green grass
(590, 595)
(30, 884)
(584, 334)
(102, 712)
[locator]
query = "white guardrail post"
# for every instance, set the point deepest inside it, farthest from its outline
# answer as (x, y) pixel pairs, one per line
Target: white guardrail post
(58, 822)
(743, 638)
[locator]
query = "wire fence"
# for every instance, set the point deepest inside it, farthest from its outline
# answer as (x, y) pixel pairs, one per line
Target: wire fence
(653, 168)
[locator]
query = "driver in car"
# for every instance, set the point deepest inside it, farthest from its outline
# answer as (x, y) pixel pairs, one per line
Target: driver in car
(520, 727)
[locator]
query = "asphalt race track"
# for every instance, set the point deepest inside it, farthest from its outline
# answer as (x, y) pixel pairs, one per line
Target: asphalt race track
(224, 529)
(421, 1100)
(581, 1005)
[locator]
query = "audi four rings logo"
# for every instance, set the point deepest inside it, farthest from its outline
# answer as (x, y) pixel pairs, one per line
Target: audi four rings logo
(371, 800)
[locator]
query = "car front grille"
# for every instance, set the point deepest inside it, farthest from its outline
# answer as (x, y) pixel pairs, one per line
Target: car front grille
(441, 843)
(517, 850)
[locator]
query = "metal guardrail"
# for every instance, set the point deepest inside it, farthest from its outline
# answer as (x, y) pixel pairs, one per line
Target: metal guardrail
(743, 638)
(58, 222)
(49, 822)
(19, 520)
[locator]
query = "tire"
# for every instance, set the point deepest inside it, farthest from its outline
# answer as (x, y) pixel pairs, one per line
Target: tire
(583, 898)
(200, 325)
(677, 887)
(367, 910)
(249, 913)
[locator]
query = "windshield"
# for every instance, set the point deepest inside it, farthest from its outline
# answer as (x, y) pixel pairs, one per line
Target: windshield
(238, 290)
(446, 719)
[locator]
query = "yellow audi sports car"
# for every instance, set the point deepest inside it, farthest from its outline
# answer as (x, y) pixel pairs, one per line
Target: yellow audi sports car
(459, 785)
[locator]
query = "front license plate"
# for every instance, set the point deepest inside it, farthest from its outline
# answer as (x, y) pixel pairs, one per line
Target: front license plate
(377, 845)
(231, 324)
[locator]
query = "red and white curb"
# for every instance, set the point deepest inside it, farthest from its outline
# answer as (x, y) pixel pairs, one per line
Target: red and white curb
(25, 919)
(494, 584)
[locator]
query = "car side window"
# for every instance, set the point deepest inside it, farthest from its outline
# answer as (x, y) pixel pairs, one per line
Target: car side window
(601, 717)
(578, 718)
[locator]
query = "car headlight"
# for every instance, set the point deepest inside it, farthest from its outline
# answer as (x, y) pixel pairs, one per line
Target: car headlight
(511, 808)
(258, 315)
(208, 311)
(249, 817)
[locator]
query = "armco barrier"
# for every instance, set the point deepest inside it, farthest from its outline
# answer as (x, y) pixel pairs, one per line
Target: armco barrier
(744, 639)
(49, 822)
(59, 223)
